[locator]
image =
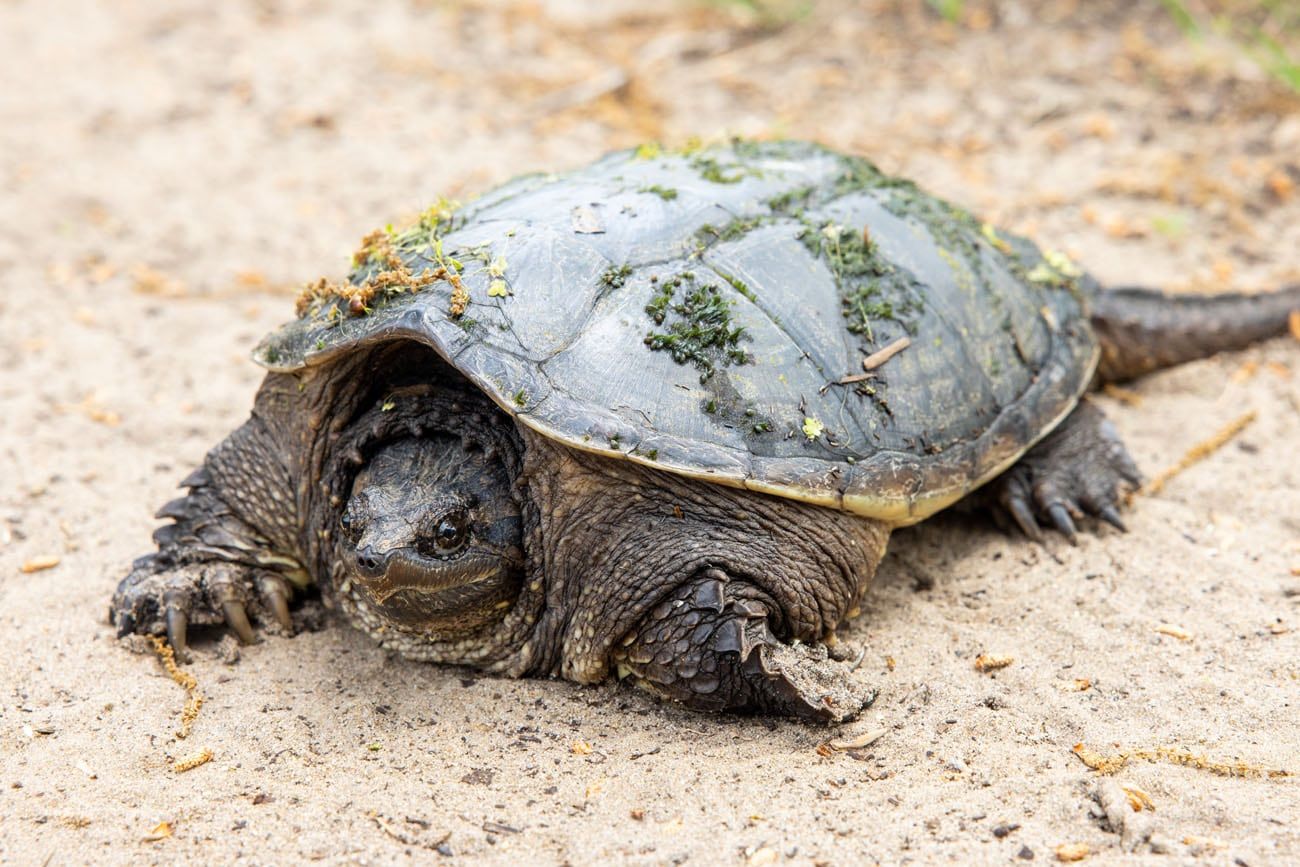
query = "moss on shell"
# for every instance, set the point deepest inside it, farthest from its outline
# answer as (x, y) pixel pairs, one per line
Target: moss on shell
(697, 322)
(665, 193)
(615, 276)
(871, 288)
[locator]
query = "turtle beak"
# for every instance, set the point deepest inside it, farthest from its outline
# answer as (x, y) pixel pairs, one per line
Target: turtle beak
(383, 573)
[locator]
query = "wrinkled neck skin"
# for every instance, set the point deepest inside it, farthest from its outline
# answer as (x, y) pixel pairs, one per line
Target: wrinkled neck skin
(600, 540)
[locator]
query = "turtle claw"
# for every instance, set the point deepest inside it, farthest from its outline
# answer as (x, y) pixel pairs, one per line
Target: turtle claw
(237, 620)
(177, 624)
(280, 608)
(1024, 518)
(276, 593)
(1063, 522)
(1110, 515)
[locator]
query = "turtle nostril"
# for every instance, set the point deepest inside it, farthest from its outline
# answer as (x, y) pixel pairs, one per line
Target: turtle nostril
(370, 562)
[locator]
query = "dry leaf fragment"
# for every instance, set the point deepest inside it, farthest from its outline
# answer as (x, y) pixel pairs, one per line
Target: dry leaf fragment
(39, 564)
(580, 748)
(1293, 323)
(1072, 852)
(1174, 631)
(147, 280)
(1281, 185)
(161, 831)
(1245, 372)
(858, 742)
(1202, 842)
(987, 662)
(1138, 799)
(189, 763)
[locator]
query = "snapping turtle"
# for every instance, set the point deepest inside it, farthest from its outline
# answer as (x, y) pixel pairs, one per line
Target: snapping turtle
(657, 418)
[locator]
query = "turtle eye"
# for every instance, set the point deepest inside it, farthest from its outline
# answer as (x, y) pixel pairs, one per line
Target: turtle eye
(448, 536)
(349, 524)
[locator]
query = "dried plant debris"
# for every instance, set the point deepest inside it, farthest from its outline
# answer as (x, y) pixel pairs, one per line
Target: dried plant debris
(1200, 452)
(844, 745)
(189, 763)
(1110, 764)
(1072, 852)
(1138, 799)
(383, 267)
(1123, 815)
(38, 564)
(986, 662)
(194, 698)
(880, 356)
(1174, 632)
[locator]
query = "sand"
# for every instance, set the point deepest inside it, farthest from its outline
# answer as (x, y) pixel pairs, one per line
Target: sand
(171, 171)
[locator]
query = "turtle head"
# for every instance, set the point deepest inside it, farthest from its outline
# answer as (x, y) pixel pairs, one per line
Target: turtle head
(431, 534)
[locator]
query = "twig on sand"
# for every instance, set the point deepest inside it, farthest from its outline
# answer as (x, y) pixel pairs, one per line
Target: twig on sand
(1111, 764)
(1200, 452)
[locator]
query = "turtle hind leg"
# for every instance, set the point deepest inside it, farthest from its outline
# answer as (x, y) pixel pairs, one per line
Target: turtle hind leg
(710, 646)
(1080, 469)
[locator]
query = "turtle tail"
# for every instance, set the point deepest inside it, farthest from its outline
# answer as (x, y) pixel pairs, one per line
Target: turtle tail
(1142, 330)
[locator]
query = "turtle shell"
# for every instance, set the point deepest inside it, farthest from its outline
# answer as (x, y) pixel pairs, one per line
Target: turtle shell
(710, 312)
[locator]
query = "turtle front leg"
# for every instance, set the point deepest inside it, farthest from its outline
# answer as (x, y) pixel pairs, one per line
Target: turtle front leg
(1081, 468)
(213, 566)
(710, 645)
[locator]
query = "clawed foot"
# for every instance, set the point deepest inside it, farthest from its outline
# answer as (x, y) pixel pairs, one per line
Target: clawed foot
(1080, 469)
(710, 647)
(157, 598)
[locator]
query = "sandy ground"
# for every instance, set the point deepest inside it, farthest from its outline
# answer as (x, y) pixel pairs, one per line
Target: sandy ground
(170, 171)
